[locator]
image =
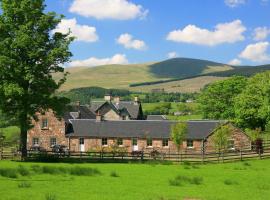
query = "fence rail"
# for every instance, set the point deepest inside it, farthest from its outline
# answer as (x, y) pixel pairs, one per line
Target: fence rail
(122, 156)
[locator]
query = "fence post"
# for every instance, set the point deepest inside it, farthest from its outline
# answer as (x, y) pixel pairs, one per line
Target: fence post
(241, 155)
(142, 156)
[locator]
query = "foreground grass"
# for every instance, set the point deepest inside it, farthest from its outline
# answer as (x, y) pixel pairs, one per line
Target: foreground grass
(41, 181)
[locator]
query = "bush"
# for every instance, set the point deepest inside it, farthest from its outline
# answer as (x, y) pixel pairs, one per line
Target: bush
(23, 170)
(230, 182)
(79, 171)
(24, 184)
(181, 180)
(50, 197)
(9, 173)
(114, 174)
(36, 169)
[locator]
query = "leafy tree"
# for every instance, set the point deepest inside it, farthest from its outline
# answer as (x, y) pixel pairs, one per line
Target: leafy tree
(29, 55)
(254, 134)
(217, 99)
(252, 106)
(220, 138)
(178, 133)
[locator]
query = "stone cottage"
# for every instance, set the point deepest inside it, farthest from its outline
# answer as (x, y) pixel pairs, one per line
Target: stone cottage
(114, 122)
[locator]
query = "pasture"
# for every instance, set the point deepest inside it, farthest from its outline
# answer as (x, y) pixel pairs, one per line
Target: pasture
(152, 181)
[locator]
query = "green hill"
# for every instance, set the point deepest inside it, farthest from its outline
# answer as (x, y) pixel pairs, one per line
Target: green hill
(186, 67)
(121, 76)
(140, 77)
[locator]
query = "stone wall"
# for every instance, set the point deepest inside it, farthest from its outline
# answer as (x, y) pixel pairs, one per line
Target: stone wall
(55, 129)
(241, 140)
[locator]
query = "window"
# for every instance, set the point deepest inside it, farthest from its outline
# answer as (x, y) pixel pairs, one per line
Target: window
(165, 142)
(230, 144)
(119, 141)
(35, 141)
(81, 141)
(44, 123)
(189, 143)
(149, 142)
(52, 141)
(134, 142)
(104, 141)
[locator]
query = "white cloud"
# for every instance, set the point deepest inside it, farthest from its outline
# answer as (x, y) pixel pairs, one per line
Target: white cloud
(128, 42)
(224, 33)
(108, 9)
(93, 61)
(235, 61)
(261, 33)
(80, 32)
(256, 52)
(172, 54)
(234, 3)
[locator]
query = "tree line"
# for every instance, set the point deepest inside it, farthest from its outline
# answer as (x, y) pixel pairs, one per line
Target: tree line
(245, 101)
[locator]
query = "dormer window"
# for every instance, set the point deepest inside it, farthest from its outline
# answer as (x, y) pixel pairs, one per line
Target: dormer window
(44, 123)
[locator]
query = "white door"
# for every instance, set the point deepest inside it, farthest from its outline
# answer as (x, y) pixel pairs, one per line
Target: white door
(135, 144)
(81, 144)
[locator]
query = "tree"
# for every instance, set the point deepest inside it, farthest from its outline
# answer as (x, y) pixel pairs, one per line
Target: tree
(178, 133)
(217, 99)
(30, 53)
(252, 106)
(220, 138)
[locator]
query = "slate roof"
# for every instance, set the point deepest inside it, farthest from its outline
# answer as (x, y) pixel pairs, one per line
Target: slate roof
(138, 128)
(78, 112)
(156, 117)
(132, 108)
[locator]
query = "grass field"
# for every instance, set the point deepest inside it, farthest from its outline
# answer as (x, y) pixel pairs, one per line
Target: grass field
(184, 86)
(121, 76)
(243, 180)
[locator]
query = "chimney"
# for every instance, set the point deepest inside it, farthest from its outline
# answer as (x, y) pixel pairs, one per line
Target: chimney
(98, 117)
(117, 100)
(107, 97)
(78, 103)
(136, 100)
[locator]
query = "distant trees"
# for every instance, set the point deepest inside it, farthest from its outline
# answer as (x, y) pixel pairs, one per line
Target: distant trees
(245, 101)
(217, 100)
(178, 133)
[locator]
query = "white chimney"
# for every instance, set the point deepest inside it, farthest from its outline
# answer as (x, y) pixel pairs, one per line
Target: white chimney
(117, 100)
(136, 100)
(107, 97)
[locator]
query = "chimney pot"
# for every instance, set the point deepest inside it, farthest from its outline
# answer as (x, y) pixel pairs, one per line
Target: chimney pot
(108, 97)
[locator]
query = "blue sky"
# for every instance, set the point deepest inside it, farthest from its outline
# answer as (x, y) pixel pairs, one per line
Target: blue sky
(138, 31)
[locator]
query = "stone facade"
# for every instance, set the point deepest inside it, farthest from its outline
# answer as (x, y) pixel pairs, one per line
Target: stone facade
(240, 139)
(43, 136)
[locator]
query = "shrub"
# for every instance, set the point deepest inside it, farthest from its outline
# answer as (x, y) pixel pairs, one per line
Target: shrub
(9, 173)
(23, 170)
(50, 197)
(54, 170)
(114, 174)
(230, 182)
(80, 171)
(181, 180)
(36, 169)
(24, 184)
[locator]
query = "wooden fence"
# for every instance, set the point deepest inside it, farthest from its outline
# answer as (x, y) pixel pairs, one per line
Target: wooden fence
(253, 152)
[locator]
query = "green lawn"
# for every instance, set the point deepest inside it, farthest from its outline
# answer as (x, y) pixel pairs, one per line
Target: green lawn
(241, 180)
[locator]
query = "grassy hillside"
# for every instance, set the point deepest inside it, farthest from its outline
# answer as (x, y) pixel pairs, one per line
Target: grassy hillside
(112, 181)
(142, 76)
(185, 86)
(185, 67)
(109, 76)
(121, 76)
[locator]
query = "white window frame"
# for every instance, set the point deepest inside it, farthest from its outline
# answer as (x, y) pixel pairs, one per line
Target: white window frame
(188, 146)
(106, 139)
(167, 142)
(52, 143)
(42, 123)
(151, 141)
(229, 144)
(34, 141)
